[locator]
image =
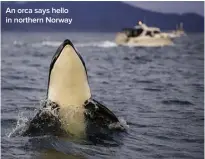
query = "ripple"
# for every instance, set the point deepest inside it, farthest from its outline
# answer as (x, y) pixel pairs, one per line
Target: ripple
(8, 121)
(140, 125)
(152, 89)
(199, 87)
(143, 81)
(126, 59)
(176, 102)
(192, 140)
(23, 88)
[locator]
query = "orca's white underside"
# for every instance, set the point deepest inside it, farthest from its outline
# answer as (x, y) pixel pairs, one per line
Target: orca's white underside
(68, 84)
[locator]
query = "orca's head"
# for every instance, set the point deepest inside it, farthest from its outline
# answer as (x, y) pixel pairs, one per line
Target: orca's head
(59, 51)
(67, 75)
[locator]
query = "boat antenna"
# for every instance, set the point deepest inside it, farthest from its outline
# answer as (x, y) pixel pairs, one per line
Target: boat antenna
(181, 26)
(177, 27)
(144, 20)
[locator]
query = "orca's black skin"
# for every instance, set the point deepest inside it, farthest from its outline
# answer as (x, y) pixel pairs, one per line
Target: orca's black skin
(43, 123)
(100, 112)
(97, 116)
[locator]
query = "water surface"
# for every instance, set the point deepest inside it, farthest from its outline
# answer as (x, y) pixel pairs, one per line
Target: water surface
(158, 91)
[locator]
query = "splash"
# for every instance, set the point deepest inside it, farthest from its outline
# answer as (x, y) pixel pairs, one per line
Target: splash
(20, 126)
(22, 122)
(18, 43)
(50, 119)
(122, 124)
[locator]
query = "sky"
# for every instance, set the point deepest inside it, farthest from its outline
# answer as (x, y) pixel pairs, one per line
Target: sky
(171, 6)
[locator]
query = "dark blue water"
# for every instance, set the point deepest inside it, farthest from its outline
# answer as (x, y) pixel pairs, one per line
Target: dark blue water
(157, 91)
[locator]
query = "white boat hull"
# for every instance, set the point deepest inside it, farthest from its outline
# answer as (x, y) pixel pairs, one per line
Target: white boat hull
(143, 41)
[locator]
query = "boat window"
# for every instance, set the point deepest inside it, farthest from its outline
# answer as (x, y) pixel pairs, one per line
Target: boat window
(128, 32)
(149, 33)
(137, 32)
(156, 32)
(133, 32)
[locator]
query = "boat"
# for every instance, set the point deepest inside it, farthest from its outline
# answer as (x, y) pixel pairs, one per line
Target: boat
(142, 35)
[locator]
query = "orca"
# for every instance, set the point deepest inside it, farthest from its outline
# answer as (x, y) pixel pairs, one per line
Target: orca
(69, 92)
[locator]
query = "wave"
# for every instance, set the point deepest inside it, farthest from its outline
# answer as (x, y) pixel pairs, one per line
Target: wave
(104, 44)
(19, 43)
(177, 102)
(51, 43)
(46, 43)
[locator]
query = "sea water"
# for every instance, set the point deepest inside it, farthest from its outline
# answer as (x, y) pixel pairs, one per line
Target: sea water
(157, 92)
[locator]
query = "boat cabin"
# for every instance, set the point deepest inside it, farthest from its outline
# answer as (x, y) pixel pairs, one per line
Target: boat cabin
(141, 31)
